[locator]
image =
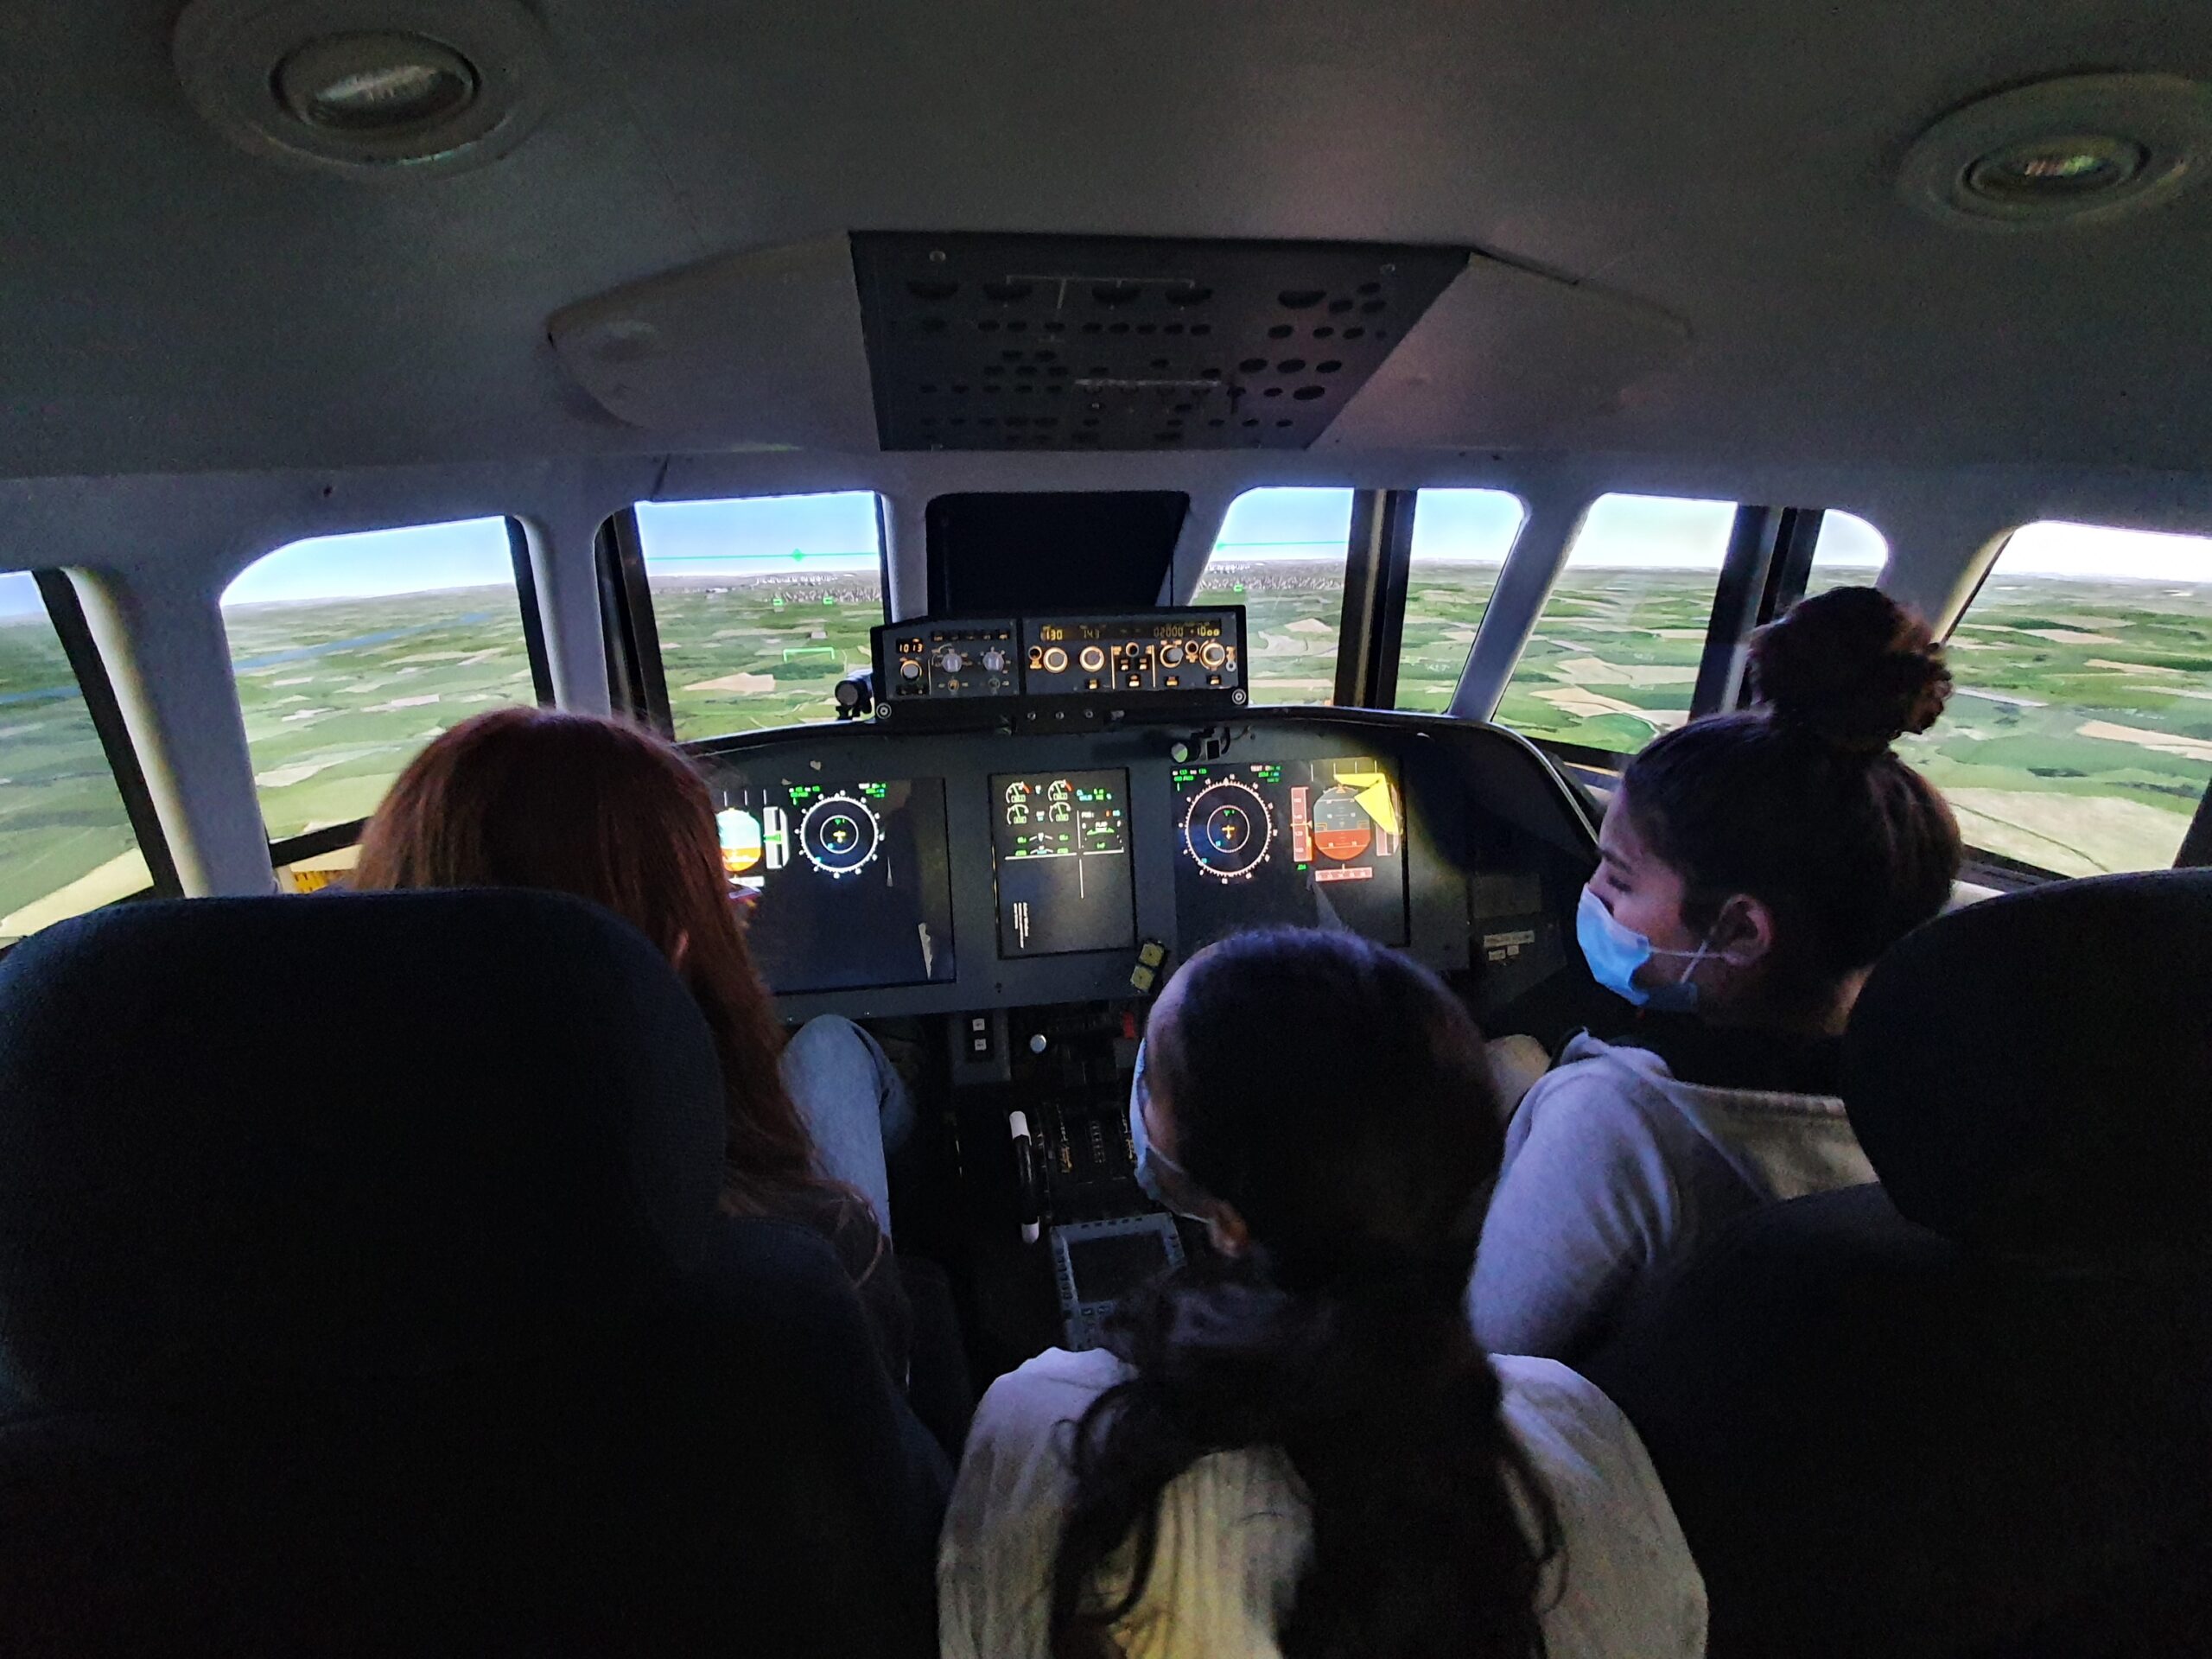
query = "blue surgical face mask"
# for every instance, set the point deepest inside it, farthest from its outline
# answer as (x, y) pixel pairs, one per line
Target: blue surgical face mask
(1615, 950)
(1164, 1181)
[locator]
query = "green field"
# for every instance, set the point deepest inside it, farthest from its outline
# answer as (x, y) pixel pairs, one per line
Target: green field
(1293, 609)
(61, 822)
(338, 694)
(743, 652)
(2080, 739)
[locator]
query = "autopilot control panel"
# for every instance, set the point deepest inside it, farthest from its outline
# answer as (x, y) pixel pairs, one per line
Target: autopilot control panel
(951, 673)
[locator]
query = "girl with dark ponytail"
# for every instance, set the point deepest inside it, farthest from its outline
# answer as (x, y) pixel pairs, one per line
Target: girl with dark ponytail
(1296, 1447)
(1753, 867)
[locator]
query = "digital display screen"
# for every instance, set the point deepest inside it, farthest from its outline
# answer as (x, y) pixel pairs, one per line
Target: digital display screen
(1308, 844)
(1108, 1268)
(1060, 844)
(846, 886)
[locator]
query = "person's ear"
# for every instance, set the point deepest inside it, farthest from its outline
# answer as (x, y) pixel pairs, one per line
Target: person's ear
(682, 953)
(1743, 934)
(1226, 1229)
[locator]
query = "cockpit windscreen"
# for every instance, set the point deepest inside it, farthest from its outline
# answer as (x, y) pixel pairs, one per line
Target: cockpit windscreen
(1060, 844)
(1303, 842)
(846, 886)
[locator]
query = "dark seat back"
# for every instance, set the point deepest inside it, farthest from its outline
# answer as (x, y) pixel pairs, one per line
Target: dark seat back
(1969, 1411)
(363, 1289)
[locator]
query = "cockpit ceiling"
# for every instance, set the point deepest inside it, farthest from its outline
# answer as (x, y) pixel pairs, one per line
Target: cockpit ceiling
(1678, 228)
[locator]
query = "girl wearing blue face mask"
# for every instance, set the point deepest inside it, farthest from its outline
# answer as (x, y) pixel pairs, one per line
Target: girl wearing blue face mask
(1753, 867)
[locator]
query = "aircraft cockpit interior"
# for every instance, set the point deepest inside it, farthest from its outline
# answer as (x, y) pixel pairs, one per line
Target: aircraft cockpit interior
(1026, 833)
(640, 643)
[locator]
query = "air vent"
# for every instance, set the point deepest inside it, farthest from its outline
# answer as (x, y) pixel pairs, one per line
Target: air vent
(1082, 343)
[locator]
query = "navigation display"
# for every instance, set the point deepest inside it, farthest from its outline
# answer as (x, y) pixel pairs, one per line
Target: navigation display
(846, 886)
(1303, 842)
(1060, 844)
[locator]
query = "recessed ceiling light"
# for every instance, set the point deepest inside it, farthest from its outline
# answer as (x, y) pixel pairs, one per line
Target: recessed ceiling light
(375, 83)
(2083, 148)
(2061, 170)
(371, 88)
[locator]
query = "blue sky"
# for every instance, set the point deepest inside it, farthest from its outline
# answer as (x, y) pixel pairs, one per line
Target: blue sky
(837, 532)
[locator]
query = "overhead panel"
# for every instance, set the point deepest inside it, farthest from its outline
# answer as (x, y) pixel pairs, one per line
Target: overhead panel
(988, 341)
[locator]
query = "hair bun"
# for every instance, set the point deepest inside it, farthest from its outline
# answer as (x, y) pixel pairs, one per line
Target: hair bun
(1852, 667)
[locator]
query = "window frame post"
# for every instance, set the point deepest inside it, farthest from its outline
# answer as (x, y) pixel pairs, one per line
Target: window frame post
(1378, 558)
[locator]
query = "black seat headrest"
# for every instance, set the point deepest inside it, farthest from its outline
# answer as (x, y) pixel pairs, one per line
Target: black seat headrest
(2033, 1073)
(269, 1142)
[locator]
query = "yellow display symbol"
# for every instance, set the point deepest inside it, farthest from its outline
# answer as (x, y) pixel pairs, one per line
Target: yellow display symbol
(1373, 791)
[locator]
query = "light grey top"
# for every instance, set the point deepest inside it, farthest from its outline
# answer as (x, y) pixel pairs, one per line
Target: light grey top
(1615, 1171)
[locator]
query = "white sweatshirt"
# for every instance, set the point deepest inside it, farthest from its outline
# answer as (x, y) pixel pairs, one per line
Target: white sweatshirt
(1234, 1529)
(1615, 1170)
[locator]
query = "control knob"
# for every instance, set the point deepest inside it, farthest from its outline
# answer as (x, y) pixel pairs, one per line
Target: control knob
(1213, 654)
(994, 661)
(951, 660)
(1171, 655)
(1055, 660)
(1093, 659)
(909, 668)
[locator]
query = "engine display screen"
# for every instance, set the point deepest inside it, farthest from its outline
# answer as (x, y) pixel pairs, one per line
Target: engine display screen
(846, 886)
(1060, 849)
(1311, 843)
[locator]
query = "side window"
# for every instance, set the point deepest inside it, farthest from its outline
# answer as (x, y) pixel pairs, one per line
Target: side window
(1850, 553)
(66, 844)
(1282, 555)
(762, 605)
(2079, 738)
(1614, 658)
(1460, 541)
(352, 652)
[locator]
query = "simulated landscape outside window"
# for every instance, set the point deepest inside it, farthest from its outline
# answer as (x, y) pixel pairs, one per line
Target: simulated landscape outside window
(762, 605)
(352, 652)
(1280, 555)
(1850, 553)
(65, 845)
(1460, 541)
(1614, 658)
(2079, 737)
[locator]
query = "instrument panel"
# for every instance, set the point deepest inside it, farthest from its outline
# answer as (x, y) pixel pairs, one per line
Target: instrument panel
(883, 872)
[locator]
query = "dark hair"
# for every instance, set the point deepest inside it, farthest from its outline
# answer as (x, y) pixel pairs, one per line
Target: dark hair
(533, 797)
(1336, 1094)
(1801, 802)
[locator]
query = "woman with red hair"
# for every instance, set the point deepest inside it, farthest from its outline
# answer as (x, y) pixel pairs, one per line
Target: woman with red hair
(534, 798)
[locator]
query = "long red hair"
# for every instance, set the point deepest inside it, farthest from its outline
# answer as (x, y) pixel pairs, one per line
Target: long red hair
(534, 798)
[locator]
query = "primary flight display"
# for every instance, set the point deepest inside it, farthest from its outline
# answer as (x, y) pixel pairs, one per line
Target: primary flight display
(846, 886)
(1299, 842)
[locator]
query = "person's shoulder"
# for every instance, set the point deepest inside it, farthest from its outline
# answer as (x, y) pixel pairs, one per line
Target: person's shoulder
(1598, 1090)
(1583, 1446)
(1629, 1584)
(1056, 1386)
(1546, 1400)
(1590, 1070)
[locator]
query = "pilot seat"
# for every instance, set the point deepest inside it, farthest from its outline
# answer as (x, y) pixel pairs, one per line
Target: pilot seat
(363, 1289)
